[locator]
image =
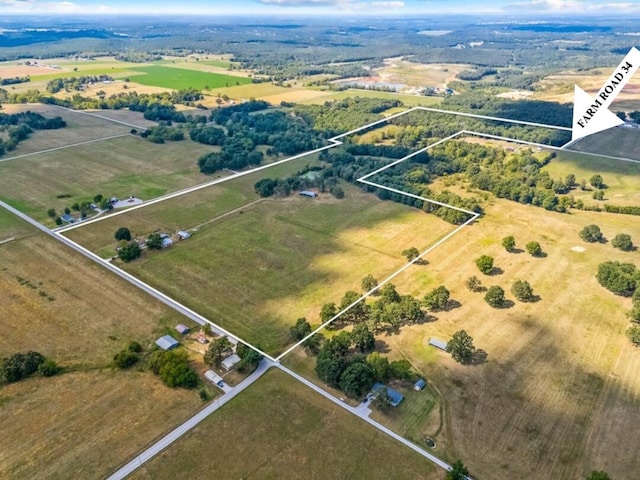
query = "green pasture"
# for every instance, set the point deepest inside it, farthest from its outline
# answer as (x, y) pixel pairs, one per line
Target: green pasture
(183, 78)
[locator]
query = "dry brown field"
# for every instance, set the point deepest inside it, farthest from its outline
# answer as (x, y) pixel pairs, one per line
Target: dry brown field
(89, 419)
(289, 431)
(557, 392)
(398, 70)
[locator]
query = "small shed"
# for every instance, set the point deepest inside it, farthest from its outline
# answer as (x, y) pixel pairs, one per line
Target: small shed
(395, 396)
(167, 342)
(308, 193)
(436, 342)
(166, 242)
(182, 329)
(230, 362)
(183, 235)
(419, 385)
(202, 339)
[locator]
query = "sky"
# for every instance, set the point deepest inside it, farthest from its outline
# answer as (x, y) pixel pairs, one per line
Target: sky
(319, 7)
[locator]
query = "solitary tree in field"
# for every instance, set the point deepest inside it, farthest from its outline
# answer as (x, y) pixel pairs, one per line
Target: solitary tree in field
(485, 264)
(437, 299)
(623, 242)
(596, 181)
(474, 284)
(509, 243)
(522, 290)
(534, 249)
(461, 347)
(458, 471)
(411, 253)
(368, 283)
(495, 296)
(123, 233)
(51, 213)
(591, 234)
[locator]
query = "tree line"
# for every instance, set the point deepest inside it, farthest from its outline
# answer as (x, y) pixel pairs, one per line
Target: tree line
(19, 126)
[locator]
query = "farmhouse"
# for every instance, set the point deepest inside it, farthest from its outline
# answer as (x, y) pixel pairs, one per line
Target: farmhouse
(68, 218)
(167, 342)
(395, 396)
(436, 342)
(308, 193)
(230, 362)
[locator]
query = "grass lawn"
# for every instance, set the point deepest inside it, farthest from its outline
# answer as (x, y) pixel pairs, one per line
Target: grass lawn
(293, 433)
(622, 178)
(118, 167)
(557, 387)
(182, 78)
(618, 142)
(256, 272)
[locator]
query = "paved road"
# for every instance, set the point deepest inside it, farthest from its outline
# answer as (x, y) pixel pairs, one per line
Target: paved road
(174, 435)
(363, 413)
(187, 312)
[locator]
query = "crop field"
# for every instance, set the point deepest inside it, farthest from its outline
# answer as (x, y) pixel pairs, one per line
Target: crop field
(557, 386)
(620, 142)
(118, 167)
(182, 78)
(80, 128)
(295, 434)
(257, 271)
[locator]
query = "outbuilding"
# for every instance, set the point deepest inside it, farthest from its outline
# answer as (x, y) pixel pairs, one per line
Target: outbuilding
(419, 385)
(230, 362)
(436, 342)
(308, 193)
(166, 242)
(183, 235)
(167, 342)
(182, 329)
(214, 378)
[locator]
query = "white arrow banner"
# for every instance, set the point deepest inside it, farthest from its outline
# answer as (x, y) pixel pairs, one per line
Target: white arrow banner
(592, 114)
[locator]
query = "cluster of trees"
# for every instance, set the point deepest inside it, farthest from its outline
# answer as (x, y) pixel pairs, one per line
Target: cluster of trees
(342, 363)
(21, 365)
(163, 132)
(129, 252)
(301, 180)
(625, 209)
(593, 234)
(221, 348)
(75, 83)
(341, 116)
(242, 133)
(128, 356)
(83, 207)
(173, 368)
(20, 125)
(14, 80)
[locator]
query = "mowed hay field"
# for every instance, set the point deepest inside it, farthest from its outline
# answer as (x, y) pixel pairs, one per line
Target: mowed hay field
(81, 127)
(257, 271)
(288, 431)
(89, 419)
(117, 167)
(184, 211)
(619, 142)
(12, 227)
(559, 390)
